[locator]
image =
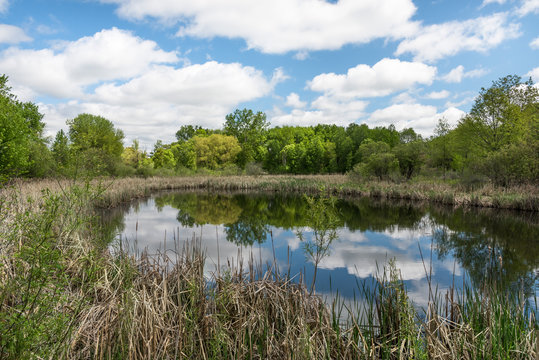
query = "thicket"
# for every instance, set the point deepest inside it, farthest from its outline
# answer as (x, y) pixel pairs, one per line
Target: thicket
(497, 143)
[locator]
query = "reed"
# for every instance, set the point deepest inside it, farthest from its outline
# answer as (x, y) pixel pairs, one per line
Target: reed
(63, 294)
(121, 190)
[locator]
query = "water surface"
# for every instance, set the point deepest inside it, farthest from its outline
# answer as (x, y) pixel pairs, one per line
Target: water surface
(441, 243)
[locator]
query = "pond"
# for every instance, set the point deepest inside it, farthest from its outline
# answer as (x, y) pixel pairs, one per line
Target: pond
(447, 245)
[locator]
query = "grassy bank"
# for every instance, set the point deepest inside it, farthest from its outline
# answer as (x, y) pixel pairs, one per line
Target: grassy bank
(125, 189)
(63, 295)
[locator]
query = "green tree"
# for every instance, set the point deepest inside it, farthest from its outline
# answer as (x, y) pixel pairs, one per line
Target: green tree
(216, 150)
(501, 133)
(440, 146)
(410, 156)
(376, 160)
(497, 117)
(322, 218)
(163, 158)
(21, 135)
(186, 132)
(250, 130)
(60, 149)
(185, 155)
(96, 144)
(132, 155)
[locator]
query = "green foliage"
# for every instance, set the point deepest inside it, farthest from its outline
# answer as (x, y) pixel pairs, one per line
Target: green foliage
(163, 158)
(496, 119)
(410, 156)
(186, 132)
(22, 145)
(376, 160)
(323, 221)
(250, 131)
(37, 310)
(185, 155)
(96, 145)
(60, 149)
(501, 132)
(216, 151)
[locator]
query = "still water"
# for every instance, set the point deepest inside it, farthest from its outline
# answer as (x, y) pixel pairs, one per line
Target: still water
(446, 244)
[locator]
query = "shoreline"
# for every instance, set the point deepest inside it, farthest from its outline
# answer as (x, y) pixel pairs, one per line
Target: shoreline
(121, 190)
(86, 303)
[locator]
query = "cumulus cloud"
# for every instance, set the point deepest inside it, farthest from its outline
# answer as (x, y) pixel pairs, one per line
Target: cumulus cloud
(294, 101)
(422, 118)
(154, 105)
(457, 74)
(534, 44)
(196, 85)
(65, 71)
(132, 82)
(10, 34)
(383, 78)
(534, 74)
(342, 100)
(435, 42)
(324, 110)
(437, 95)
(279, 26)
(528, 7)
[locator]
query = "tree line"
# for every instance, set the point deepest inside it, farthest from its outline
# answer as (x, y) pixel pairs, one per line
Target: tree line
(497, 141)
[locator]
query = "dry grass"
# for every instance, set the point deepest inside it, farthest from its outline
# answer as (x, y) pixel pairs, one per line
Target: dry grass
(63, 296)
(524, 197)
(170, 310)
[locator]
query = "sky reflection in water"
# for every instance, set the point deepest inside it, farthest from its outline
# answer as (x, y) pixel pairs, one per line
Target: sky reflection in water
(452, 241)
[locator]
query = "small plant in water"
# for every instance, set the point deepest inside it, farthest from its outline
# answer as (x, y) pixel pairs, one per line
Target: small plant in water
(323, 220)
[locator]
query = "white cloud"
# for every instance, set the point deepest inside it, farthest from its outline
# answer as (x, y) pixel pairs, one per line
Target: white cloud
(534, 44)
(4, 4)
(10, 34)
(279, 76)
(422, 118)
(528, 6)
(534, 74)
(279, 26)
(486, 2)
(403, 98)
(154, 105)
(301, 55)
(383, 78)
(294, 101)
(325, 110)
(64, 72)
(132, 82)
(469, 97)
(342, 96)
(196, 85)
(437, 95)
(457, 74)
(437, 41)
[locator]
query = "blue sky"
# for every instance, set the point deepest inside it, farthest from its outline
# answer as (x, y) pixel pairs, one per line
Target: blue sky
(151, 66)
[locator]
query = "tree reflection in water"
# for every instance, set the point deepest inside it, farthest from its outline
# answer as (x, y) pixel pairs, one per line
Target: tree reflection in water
(494, 245)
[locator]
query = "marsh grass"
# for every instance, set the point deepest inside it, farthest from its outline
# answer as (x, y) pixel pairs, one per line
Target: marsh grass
(121, 190)
(64, 295)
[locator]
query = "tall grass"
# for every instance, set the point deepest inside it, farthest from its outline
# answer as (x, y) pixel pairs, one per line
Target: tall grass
(525, 197)
(64, 295)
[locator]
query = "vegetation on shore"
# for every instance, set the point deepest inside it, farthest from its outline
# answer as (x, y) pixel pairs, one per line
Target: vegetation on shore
(120, 190)
(496, 144)
(64, 295)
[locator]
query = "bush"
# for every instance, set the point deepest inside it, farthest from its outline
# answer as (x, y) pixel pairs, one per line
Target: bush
(381, 165)
(254, 168)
